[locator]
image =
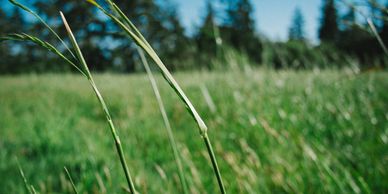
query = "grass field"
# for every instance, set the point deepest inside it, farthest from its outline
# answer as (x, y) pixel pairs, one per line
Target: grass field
(273, 132)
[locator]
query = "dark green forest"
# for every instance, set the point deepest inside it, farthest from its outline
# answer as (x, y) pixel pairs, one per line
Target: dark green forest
(345, 37)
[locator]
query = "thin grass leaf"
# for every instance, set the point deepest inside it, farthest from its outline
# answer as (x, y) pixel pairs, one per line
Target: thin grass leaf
(170, 134)
(157, 95)
(136, 36)
(129, 23)
(78, 52)
(71, 180)
(33, 189)
(139, 40)
(374, 30)
(92, 2)
(29, 188)
(29, 38)
(101, 100)
(43, 22)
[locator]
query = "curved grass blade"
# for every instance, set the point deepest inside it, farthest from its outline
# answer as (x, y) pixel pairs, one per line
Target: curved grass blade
(71, 180)
(376, 34)
(165, 120)
(29, 188)
(165, 72)
(136, 36)
(29, 38)
(101, 100)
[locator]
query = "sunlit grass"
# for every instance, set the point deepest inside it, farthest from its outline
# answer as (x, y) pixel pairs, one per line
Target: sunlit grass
(294, 132)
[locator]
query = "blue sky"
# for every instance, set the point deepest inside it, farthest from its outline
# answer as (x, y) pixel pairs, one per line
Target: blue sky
(273, 17)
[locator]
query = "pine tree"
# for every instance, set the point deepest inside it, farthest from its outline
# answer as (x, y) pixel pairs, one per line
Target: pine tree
(296, 31)
(349, 19)
(375, 13)
(328, 31)
(175, 43)
(145, 14)
(3, 47)
(353, 38)
(206, 36)
(17, 60)
(384, 30)
(90, 31)
(159, 23)
(239, 28)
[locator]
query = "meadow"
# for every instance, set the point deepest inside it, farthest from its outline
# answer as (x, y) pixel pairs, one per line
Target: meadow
(272, 132)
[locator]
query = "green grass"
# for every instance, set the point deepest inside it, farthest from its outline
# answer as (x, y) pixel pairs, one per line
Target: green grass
(273, 132)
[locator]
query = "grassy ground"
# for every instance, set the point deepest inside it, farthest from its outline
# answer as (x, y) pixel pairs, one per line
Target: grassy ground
(273, 132)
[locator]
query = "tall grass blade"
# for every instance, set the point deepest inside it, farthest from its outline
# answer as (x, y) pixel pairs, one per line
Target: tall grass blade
(71, 180)
(208, 98)
(137, 37)
(39, 42)
(376, 34)
(101, 100)
(29, 188)
(33, 189)
(165, 120)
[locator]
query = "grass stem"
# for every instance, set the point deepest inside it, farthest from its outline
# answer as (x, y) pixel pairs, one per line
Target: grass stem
(165, 120)
(129, 28)
(29, 188)
(214, 163)
(71, 180)
(101, 100)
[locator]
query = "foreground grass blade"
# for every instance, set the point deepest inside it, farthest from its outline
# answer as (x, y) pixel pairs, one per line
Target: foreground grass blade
(165, 120)
(103, 105)
(140, 41)
(29, 188)
(138, 38)
(39, 42)
(71, 180)
(376, 34)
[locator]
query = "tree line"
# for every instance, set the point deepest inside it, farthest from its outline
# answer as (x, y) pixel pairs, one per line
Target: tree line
(226, 31)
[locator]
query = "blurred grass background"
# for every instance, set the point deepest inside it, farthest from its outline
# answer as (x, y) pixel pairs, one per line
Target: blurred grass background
(273, 132)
